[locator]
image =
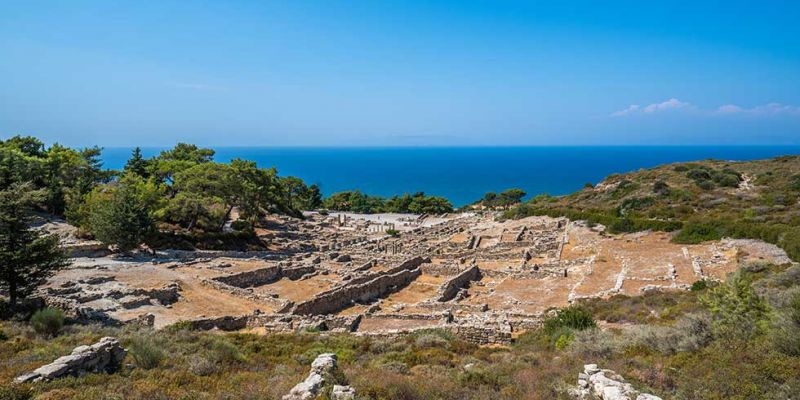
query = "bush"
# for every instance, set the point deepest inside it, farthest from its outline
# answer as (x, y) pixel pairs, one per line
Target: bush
(48, 321)
(785, 332)
(739, 313)
(146, 353)
(694, 232)
(697, 286)
(240, 225)
(14, 392)
(201, 366)
(690, 333)
(429, 340)
(559, 329)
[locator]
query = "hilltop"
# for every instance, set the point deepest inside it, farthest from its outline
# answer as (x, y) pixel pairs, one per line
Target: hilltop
(702, 200)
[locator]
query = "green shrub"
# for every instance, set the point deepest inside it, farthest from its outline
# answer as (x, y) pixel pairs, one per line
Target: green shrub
(146, 353)
(48, 321)
(705, 185)
(739, 313)
(694, 232)
(393, 232)
(785, 331)
(560, 327)
(240, 225)
(661, 188)
(3, 336)
(15, 392)
(697, 286)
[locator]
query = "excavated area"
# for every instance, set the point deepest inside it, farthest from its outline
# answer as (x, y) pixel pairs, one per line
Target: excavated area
(484, 280)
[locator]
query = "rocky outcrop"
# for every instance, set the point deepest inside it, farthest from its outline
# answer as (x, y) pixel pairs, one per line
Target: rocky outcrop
(606, 384)
(103, 356)
(322, 370)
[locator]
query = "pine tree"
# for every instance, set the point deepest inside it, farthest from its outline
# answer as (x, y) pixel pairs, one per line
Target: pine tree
(137, 164)
(27, 258)
(123, 219)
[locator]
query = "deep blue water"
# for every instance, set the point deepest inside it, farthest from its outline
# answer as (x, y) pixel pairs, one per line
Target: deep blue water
(462, 174)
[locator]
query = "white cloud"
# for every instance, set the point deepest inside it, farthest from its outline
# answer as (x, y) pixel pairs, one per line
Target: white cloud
(770, 109)
(671, 104)
(630, 110)
(762, 110)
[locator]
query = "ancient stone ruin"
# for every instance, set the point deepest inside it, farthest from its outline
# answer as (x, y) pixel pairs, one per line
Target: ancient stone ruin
(103, 356)
(482, 279)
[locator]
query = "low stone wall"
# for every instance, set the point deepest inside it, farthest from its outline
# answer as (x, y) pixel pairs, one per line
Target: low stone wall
(410, 317)
(344, 296)
(263, 276)
(103, 356)
(282, 305)
(450, 288)
(295, 273)
(481, 335)
(256, 277)
(437, 306)
(227, 323)
(441, 269)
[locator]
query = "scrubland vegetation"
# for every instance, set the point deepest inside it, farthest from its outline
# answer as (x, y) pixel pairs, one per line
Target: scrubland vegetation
(702, 201)
(734, 340)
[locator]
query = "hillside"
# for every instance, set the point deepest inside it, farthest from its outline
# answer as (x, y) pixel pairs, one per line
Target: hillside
(703, 200)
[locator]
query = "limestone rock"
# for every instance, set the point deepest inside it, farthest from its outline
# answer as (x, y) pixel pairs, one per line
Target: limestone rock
(606, 385)
(103, 356)
(322, 369)
(343, 393)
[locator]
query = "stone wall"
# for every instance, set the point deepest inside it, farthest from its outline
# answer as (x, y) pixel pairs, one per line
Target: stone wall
(263, 276)
(481, 335)
(450, 268)
(281, 305)
(341, 297)
(247, 279)
(226, 323)
(345, 296)
(450, 288)
(295, 273)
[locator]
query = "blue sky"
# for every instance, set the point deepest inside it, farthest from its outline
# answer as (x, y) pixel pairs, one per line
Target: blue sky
(387, 73)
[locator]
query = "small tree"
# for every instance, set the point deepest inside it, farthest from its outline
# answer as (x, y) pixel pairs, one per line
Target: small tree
(123, 218)
(27, 257)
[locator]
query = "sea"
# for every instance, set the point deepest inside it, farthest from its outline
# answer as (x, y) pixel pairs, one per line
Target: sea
(464, 174)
